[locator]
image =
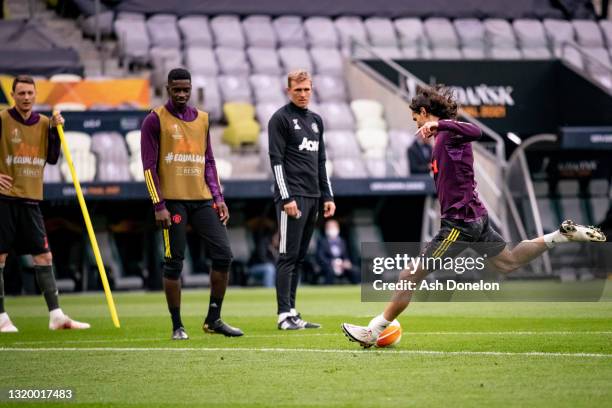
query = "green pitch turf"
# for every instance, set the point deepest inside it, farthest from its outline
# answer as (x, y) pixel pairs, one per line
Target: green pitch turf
(451, 354)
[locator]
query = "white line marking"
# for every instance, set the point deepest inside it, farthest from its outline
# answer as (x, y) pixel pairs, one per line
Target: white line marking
(305, 350)
(298, 335)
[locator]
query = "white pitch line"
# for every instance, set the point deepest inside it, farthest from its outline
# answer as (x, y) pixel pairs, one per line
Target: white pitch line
(305, 350)
(442, 333)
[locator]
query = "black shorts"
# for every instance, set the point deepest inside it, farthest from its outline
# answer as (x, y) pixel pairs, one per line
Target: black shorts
(457, 235)
(205, 222)
(22, 228)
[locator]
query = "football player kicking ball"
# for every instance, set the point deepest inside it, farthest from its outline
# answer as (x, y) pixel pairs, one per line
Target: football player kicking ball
(464, 218)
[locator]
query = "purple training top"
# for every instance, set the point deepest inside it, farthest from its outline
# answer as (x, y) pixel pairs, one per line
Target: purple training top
(149, 135)
(453, 169)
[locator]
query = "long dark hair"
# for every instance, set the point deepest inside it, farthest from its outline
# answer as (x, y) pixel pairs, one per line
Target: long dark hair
(437, 100)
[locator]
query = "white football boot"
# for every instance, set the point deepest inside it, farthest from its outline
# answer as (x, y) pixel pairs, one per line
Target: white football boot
(359, 334)
(581, 233)
(64, 322)
(6, 326)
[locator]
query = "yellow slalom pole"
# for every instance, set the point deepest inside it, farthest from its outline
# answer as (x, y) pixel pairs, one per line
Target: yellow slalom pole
(90, 231)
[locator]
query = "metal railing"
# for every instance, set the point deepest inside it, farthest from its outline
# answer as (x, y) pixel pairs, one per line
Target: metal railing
(589, 63)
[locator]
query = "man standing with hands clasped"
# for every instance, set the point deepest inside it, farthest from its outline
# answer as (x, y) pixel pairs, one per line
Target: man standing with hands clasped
(297, 156)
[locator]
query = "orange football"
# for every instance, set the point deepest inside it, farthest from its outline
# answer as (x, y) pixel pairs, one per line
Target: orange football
(390, 336)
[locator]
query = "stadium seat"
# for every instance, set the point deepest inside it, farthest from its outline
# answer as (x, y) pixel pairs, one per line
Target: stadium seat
(568, 188)
(499, 34)
(411, 32)
(536, 53)
(550, 221)
(471, 34)
(327, 61)
(381, 32)
(65, 78)
(263, 113)
(290, 31)
(267, 89)
(206, 94)
(388, 52)
(132, 139)
(109, 147)
(112, 261)
(295, 58)
(441, 33)
(377, 168)
(163, 60)
(531, 38)
(410, 53)
(446, 53)
(588, 33)
(227, 31)
(163, 31)
(373, 142)
(259, 31)
(321, 32)
(242, 127)
(196, 31)
(133, 41)
(349, 27)
(505, 53)
(130, 16)
(264, 61)
(599, 187)
(540, 188)
(52, 174)
(136, 170)
(599, 209)
(78, 141)
(70, 107)
(84, 164)
(336, 116)
(340, 144)
(473, 53)
(558, 32)
(232, 61)
(330, 88)
(572, 208)
(369, 114)
(235, 88)
(412, 37)
(201, 61)
(349, 168)
(224, 168)
(114, 172)
(400, 140)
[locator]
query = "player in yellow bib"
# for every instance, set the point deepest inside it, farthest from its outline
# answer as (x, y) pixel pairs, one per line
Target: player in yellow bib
(28, 141)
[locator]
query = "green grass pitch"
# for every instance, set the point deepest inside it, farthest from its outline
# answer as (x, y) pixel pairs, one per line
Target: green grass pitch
(451, 354)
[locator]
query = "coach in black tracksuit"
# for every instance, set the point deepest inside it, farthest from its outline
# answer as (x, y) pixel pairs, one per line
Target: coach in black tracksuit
(297, 156)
